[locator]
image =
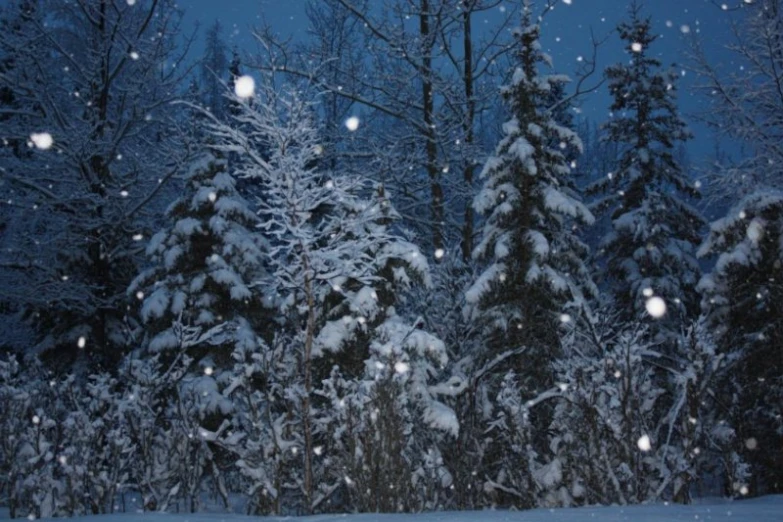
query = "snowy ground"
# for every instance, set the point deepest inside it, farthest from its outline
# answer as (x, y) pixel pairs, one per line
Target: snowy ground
(765, 509)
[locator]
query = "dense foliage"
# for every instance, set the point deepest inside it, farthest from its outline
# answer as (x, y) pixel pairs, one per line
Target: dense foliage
(335, 288)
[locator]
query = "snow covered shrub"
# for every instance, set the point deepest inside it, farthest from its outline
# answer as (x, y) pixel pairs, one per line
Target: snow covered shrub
(606, 426)
(153, 470)
(264, 435)
(635, 424)
(511, 446)
(384, 430)
(95, 451)
(15, 403)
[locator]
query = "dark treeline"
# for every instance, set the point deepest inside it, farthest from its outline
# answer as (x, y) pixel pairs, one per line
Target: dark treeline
(386, 268)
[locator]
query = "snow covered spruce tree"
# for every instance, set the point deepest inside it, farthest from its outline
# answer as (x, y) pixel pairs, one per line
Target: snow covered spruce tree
(205, 262)
(336, 272)
(89, 144)
(650, 248)
(200, 309)
(534, 273)
(742, 295)
(742, 300)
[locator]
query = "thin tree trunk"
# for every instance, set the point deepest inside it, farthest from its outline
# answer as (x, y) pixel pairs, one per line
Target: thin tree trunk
(308, 388)
(436, 189)
(467, 80)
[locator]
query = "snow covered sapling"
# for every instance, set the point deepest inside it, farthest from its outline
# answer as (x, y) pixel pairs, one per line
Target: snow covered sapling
(607, 427)
(335, 267)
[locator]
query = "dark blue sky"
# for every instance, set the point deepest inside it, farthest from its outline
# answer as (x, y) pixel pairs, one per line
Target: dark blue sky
(565, 35)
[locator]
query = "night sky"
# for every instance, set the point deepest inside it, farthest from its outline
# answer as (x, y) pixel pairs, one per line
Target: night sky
(565, 36)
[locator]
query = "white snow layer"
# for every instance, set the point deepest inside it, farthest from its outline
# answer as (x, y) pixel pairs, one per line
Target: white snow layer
(764, 509)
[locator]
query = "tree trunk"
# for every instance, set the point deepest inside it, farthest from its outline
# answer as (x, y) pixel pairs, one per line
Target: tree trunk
(308, 389)
(467, 80)
(436, 189)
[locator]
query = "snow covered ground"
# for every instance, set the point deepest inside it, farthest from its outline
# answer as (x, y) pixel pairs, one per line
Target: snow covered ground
(764, 509)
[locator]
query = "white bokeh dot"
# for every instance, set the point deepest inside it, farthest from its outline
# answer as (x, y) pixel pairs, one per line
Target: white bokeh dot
(42, 140)
(352, 123)
(656, 307)
(245, 86)
(644, 443)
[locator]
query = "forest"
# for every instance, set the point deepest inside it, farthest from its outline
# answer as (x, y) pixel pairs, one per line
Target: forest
(387, 267)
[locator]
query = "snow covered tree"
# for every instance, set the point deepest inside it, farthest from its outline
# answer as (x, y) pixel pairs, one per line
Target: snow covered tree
(205, 263)
(742, 299)
(742, 295)
(650, 249)
(199, 308)
(535, 272)
(534, 262)
(336, 269)
(91, 109)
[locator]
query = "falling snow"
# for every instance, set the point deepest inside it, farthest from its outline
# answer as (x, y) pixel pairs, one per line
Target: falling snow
(245, 86)
(656, 307)
(373, 252)
(352, 123)
(42, 140)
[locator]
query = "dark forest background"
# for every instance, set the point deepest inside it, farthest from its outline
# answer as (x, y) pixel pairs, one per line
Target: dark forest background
(389, 267)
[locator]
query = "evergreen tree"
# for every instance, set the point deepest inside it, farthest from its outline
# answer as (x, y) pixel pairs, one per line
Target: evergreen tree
(650, 249)
(742, 295)
(535, 268)
(742, 299)
(206, 262)
(214, 68)
(201, 310)
(535, 272)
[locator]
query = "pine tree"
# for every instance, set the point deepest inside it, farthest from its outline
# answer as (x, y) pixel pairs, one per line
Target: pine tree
(535, 273)
(201, 310)
(650, 249)
(742, 299)
(742, 295)
(206, 262)
(535, 266)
